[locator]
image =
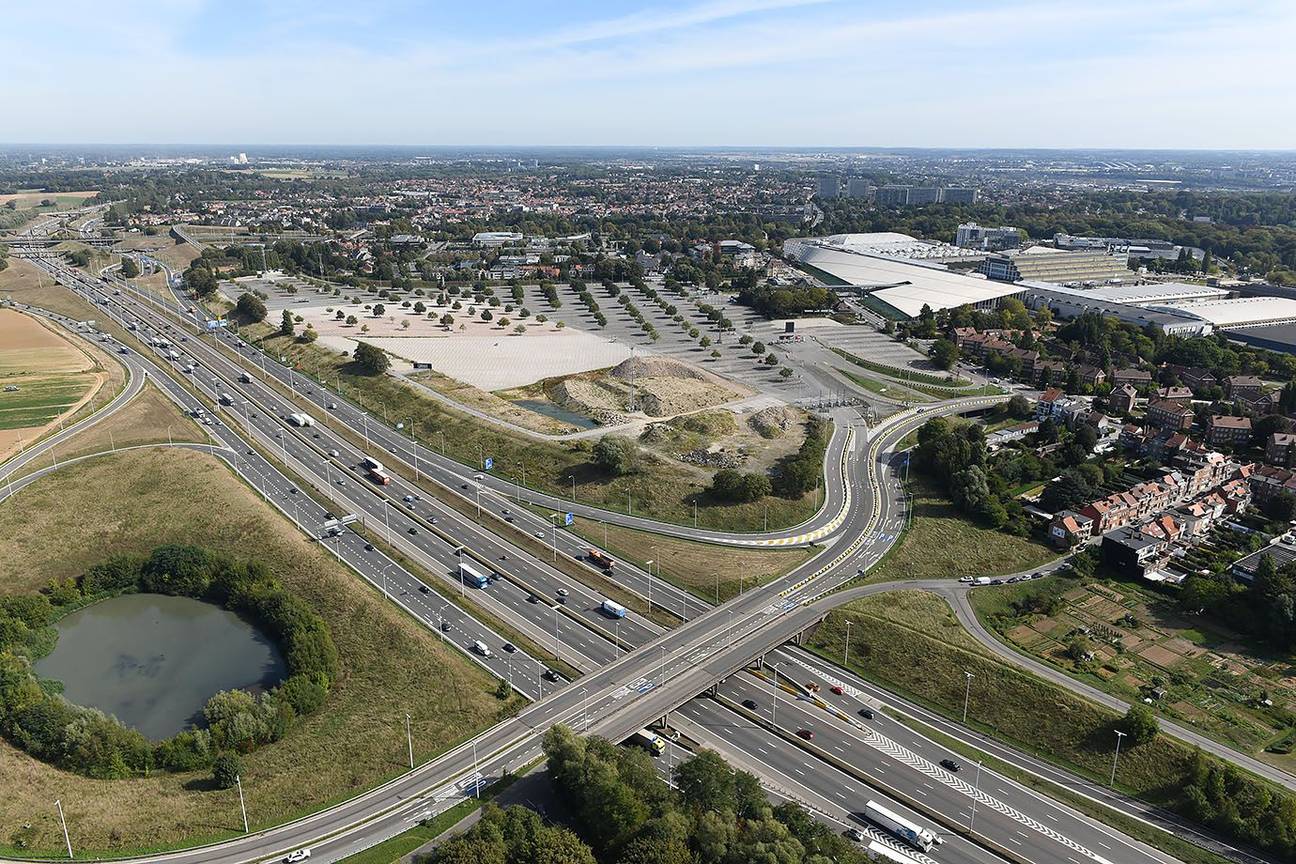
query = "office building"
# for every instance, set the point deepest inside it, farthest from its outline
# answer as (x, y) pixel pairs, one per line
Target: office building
(892, 196)
(1044, 264)
(959, 195)
(970, 235)
(924, 195)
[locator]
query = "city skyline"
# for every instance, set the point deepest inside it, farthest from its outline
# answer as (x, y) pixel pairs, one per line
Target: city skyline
(758, 73)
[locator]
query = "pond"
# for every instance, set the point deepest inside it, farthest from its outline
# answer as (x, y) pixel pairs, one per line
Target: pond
(549, 409)
(153, 660)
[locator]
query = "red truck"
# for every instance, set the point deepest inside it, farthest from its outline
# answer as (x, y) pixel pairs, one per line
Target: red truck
(600, 559)
(379, 477)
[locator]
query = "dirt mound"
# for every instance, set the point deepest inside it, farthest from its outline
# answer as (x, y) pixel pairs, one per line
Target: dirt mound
(636, 368)
(772, 422)
(582, 396)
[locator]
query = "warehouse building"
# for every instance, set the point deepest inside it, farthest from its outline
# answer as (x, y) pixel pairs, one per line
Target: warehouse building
(1238, 311)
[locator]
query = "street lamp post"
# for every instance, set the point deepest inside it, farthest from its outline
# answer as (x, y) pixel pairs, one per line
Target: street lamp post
(63, 822)
(1119, 736)
(976, 793)
(649, 562)
(967, 694)
(846, 647)
(774, 705)
(409, 740)
(238, 781)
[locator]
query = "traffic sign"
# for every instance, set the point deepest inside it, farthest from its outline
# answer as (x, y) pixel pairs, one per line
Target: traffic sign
(569, 518)
(489, 463)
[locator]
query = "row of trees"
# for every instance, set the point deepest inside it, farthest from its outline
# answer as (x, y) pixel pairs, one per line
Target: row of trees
(624, 812)
(41, 722)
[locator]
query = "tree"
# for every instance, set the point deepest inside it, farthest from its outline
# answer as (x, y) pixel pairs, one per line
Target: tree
(758, 348)
(1019, 407)
(1140, 724)
(129, 269)
(286, 324)
(226, 770)
(307, 335)
(616, 454)
(1066, 492)
(771, 360)
(251, 308)
(785, 372)
(371, 360)
(943, 353)
(378, 310)
(735, 486)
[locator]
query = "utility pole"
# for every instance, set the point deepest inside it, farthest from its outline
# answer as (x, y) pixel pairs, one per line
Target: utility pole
(967, 693)
(846, 649)
(774, 706)
(63, 822)
(409, 740)
(238, 781)
(976, 793)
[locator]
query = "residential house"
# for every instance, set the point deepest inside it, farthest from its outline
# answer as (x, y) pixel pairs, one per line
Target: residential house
(1136, 377)
(1243, 387)
(1266, 481)
(1180, 394)
(1069, 529)
(1226, 429)
(1193, 376)
(1131, 551)
(1169, 414)
(1055, 405)
(1121, 399)
(1090, 375)
(1278, 448)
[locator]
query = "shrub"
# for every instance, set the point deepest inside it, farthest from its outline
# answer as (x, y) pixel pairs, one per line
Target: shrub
(226, 770)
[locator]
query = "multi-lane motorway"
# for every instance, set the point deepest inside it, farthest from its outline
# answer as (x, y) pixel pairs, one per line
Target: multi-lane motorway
(621, 691)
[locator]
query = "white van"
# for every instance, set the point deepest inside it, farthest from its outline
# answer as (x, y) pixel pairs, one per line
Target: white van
(480, 647)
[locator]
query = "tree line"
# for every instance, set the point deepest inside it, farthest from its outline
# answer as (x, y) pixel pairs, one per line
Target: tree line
(623, 812)
(37, 719)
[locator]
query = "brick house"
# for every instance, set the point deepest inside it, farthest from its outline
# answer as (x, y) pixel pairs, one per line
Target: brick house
(1226, 429)
(1169, 414)
(1121, 400)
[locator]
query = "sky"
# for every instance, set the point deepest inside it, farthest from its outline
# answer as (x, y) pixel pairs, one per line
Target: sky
(1209, 74)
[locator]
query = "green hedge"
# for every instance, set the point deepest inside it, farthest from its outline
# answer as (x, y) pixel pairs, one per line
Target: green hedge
(36, 718)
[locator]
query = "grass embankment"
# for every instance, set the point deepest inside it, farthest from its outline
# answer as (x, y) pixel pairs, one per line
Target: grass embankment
(661, 489)
(911, 643)
(950, 382)
(135, 501)
(889, 389)
(701, 568)
(942, 544)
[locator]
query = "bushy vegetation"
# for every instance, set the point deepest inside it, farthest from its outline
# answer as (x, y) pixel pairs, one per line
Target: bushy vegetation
(801, 472)
(1265, 608)
(35, 718)
(624, 812)
(371, 359)
(785, 301)
(737, 486)
(250, 307)
(616, 455)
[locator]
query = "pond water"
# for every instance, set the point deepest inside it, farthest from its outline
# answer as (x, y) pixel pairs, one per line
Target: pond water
(549, 409)
(153, 661)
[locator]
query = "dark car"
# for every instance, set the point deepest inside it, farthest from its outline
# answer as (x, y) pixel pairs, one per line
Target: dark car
(412, 530)
(950, 765)
(510, 647)
(368, 547)
(866, 713)
(749, 704)
(423, 589)
(806, 734)
(533, 599)
(445, 626)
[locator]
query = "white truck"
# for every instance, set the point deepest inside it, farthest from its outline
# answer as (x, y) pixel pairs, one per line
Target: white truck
(906, 830)
(226, 399)
(302, 420)
(615, 610)
(981, 580)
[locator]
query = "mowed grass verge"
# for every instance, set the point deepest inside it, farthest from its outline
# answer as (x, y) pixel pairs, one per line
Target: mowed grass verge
(662, 489)
(134, 501)
(911, 643)
(942, 544)
(701, 568)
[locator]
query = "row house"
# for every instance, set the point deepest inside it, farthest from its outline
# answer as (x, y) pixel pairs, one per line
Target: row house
(1136, 549)
(1055, 405)
(1091, 376)
(1169, 414)
(1269, 480)
(1181, 394)
(1226, 429)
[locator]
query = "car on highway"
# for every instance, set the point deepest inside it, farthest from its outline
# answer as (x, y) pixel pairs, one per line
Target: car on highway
(950, 765)
(749, 704)
(965, 578)
(408, 499)
(531, 598)
(866, 713)
(423, 589)
(855, 834)
(296, 855)
(333, 453)
(540, 534)
(412, 530)
(812, 687)
(806, 734)
(551, 675)
(369, 547)
(332, 406)
(563, 592)
(837, 689)
(510, 648)
(481, 648)
(445, 626)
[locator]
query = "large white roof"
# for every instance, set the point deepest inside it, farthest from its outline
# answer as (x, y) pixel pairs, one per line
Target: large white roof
(1161, 292)
(906, 285)
(889, 243)
(1240, 311)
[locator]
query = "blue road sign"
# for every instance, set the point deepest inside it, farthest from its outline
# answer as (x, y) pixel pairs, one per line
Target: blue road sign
(489, 463)
(569, 518)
